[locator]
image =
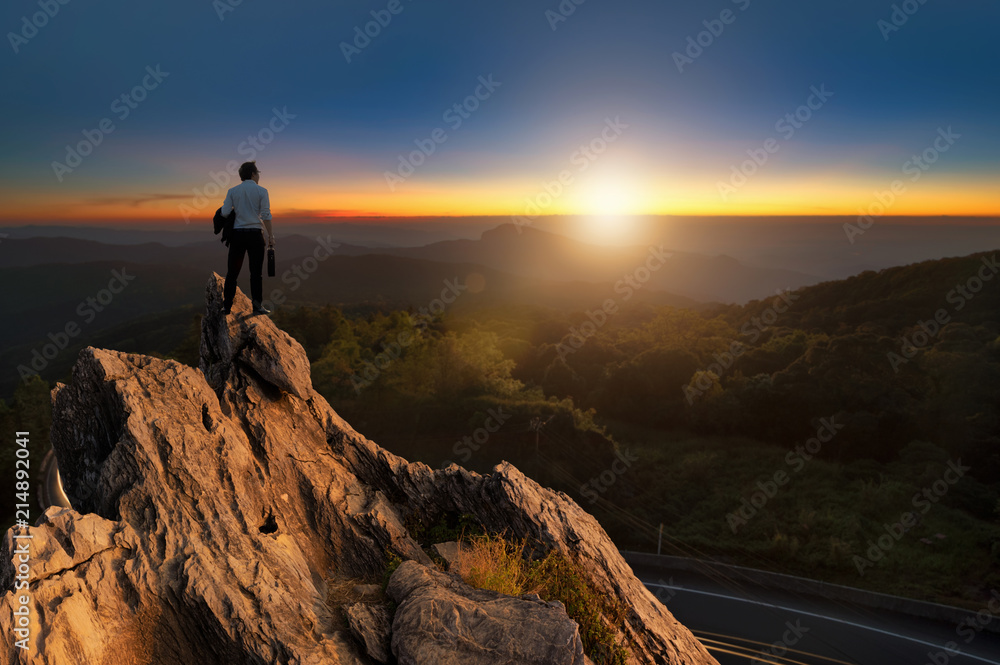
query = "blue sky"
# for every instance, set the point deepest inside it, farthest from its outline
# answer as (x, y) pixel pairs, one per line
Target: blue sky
(607, 59)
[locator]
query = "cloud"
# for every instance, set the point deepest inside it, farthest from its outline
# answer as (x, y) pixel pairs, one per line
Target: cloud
(137, 200)
(303, 214)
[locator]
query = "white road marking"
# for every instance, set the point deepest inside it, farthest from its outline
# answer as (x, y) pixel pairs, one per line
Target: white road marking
(820, 616)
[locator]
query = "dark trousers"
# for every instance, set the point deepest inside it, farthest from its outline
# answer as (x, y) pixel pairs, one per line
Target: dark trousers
(249, 242)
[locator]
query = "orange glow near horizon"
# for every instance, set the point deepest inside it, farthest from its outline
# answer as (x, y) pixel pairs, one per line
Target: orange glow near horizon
(617, 196)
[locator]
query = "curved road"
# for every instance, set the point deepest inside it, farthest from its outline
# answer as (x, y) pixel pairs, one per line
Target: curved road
(742, 624)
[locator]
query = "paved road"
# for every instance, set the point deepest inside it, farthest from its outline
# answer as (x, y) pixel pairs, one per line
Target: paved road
(740, 624)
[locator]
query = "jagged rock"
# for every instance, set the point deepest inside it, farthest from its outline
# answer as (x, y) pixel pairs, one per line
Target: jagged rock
(370, 624)
(441, 620)
(215, 507)
(72, 558)
(253, 344)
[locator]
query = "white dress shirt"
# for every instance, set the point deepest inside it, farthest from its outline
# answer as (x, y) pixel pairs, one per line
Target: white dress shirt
(251, 203)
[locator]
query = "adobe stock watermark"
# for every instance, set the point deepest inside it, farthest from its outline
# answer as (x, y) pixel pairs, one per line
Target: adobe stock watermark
(21, 558)
(778, 649)
(472, 443)
(696, 44)
(21, 539)
(704, 379)
(562, 12)
(796, 460)
(218, 181)
(295, 276)
(915, 167)
(364, 34)
(582, 159)
(665, 590)
(603, 481)
(454, 116)
(899, 16)
(786, 126)
(922, 500)
(122, 107)
(394, 350)
(627, 287)
(223, 7)
(37, 21)
(87, 310)
(967, 629)
(958, 297)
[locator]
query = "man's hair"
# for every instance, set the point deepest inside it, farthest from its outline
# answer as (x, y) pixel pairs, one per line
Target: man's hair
(247, 169)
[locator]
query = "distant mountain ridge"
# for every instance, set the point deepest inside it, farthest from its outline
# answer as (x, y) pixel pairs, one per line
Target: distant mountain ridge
(524, 250)
(814, 245)
(49, 298)
(27, 252)
(521, 251)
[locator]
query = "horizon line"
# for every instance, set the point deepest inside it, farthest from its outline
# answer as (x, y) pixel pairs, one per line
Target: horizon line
(308, 219)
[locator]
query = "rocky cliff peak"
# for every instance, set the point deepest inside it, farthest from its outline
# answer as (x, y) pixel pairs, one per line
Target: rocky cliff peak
(227, 514)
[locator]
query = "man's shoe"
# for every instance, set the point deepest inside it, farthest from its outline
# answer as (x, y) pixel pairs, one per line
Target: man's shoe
(227, 310)
(260, 309)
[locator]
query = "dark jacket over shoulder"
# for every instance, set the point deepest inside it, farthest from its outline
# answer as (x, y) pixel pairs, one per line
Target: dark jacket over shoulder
(224, 224)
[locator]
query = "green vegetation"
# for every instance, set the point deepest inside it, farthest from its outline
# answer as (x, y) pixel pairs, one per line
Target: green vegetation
(709, 419)
(449, 527)
(393, 561)
(30, 411)
(432, 393)
(595, 613)
(490, 561)
(816, 523)
(711, 403)
(494, 563)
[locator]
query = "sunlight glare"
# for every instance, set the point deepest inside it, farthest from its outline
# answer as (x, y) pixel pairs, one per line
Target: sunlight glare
(607, 205)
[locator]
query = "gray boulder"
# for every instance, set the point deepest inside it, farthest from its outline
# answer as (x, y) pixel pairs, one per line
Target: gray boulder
(370, 625)
(440, 620)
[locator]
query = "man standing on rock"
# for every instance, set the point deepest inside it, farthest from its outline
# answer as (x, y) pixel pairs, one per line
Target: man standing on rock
(253, 214)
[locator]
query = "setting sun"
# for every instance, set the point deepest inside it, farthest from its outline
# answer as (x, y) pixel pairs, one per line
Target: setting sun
(609, 196)
(607, 203)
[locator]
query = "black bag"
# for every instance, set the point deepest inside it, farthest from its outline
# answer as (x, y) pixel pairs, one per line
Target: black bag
(270, 261)
(224, 224)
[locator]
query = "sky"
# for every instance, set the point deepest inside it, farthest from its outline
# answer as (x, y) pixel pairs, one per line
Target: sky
(126, 111)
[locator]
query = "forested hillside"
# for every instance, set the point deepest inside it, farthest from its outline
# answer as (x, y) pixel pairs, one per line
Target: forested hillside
(905, 354)
(872, 387)
(789, 433)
